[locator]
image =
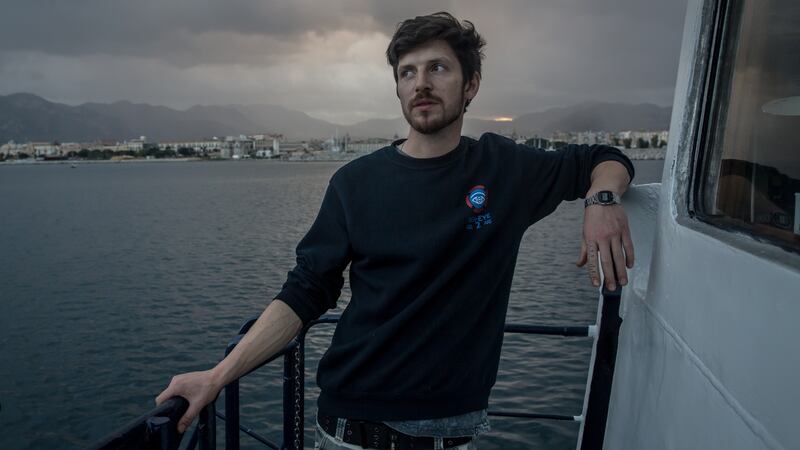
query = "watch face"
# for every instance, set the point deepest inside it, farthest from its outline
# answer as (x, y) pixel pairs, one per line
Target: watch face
(605, 196)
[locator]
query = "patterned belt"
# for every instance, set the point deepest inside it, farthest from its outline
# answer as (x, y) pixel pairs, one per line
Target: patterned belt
(380, 436)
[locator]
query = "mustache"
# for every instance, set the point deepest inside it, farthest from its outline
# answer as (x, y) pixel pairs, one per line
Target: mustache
(424, 96)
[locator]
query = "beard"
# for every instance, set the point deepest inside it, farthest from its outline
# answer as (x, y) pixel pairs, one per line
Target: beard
(426, 124)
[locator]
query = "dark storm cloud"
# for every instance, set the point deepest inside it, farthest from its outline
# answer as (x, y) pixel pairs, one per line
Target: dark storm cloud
(178, 32)
(558, 52)
(388, 14)
(326, 57)
(190, 32)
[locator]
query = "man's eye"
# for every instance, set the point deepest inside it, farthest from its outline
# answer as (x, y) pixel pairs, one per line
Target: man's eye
(406, 73)
(438, 67)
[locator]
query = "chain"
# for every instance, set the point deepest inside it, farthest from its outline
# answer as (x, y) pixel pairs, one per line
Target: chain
(298, 392)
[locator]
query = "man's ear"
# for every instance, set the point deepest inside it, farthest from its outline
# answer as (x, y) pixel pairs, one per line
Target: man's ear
(471, 88)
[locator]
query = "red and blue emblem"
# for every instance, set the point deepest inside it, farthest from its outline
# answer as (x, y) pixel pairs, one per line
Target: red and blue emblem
(477, 198)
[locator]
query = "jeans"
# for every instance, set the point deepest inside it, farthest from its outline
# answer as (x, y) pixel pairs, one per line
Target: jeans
(324, 441)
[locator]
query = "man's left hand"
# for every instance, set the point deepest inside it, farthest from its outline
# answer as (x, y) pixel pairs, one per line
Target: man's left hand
(606, 233)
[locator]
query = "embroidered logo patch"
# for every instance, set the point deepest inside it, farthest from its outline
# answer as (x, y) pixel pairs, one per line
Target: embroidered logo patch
(477, 198)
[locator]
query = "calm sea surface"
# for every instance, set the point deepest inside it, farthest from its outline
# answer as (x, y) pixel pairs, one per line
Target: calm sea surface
(114, 277)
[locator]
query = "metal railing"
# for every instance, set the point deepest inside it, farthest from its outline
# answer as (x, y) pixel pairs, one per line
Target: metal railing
(157, 429)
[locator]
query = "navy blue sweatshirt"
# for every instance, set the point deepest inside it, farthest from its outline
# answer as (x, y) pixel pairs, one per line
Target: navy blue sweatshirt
(432, 245)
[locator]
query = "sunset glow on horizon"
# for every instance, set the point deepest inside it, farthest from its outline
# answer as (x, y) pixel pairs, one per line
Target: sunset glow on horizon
(503, 119)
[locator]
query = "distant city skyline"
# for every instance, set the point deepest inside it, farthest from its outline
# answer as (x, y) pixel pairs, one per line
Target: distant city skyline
(329, 61)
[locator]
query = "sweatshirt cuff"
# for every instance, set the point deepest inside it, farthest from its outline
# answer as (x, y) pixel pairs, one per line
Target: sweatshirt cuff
(620, 158)
(305, 311)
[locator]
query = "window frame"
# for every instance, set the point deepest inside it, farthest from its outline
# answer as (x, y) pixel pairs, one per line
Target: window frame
(712, 90)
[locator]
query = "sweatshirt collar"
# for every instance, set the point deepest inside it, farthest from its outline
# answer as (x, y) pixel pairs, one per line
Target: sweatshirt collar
(397, 156)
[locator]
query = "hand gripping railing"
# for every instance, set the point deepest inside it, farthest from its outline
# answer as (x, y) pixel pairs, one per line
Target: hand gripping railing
(152, 431)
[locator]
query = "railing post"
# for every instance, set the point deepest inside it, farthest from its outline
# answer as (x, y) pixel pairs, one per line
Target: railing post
(300, 390)
(293, 395)
(596, 414)
(288, 401)
(232, 407)
(232, 416)
(160, 435)
(207, 428)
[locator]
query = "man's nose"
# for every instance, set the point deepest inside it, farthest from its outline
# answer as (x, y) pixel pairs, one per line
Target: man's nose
(423, 82)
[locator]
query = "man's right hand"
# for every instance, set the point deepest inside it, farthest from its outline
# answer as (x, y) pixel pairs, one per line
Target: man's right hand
(199, 388)
(276, 326)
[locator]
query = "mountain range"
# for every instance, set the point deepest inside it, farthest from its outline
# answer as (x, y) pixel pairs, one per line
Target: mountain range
(28, 117)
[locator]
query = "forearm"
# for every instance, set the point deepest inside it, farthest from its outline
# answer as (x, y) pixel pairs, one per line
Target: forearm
(609, 176)
(276, 326)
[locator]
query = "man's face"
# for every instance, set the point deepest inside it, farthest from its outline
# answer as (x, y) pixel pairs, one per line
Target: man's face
(430, 87)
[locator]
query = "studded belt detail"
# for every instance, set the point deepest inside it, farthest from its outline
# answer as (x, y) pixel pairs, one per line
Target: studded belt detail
(380, 436)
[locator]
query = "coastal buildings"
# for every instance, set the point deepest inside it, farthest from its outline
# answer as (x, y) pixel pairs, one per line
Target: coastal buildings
(202, 147)
(637, 144)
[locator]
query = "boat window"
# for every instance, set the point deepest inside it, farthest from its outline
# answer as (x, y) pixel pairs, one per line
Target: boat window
(751, 176)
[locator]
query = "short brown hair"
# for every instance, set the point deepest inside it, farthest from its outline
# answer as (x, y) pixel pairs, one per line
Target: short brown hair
(466, 43)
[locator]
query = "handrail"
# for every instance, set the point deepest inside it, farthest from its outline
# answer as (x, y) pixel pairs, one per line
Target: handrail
(294, 380)
(156, 432)
(568, 331)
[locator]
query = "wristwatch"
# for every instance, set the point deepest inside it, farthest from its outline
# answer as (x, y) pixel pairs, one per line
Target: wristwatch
(604, 198)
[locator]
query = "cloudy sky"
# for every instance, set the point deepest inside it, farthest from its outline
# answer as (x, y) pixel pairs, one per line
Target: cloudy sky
(327, 57)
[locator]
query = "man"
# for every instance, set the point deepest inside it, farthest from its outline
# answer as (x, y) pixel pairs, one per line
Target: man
(431, 227)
